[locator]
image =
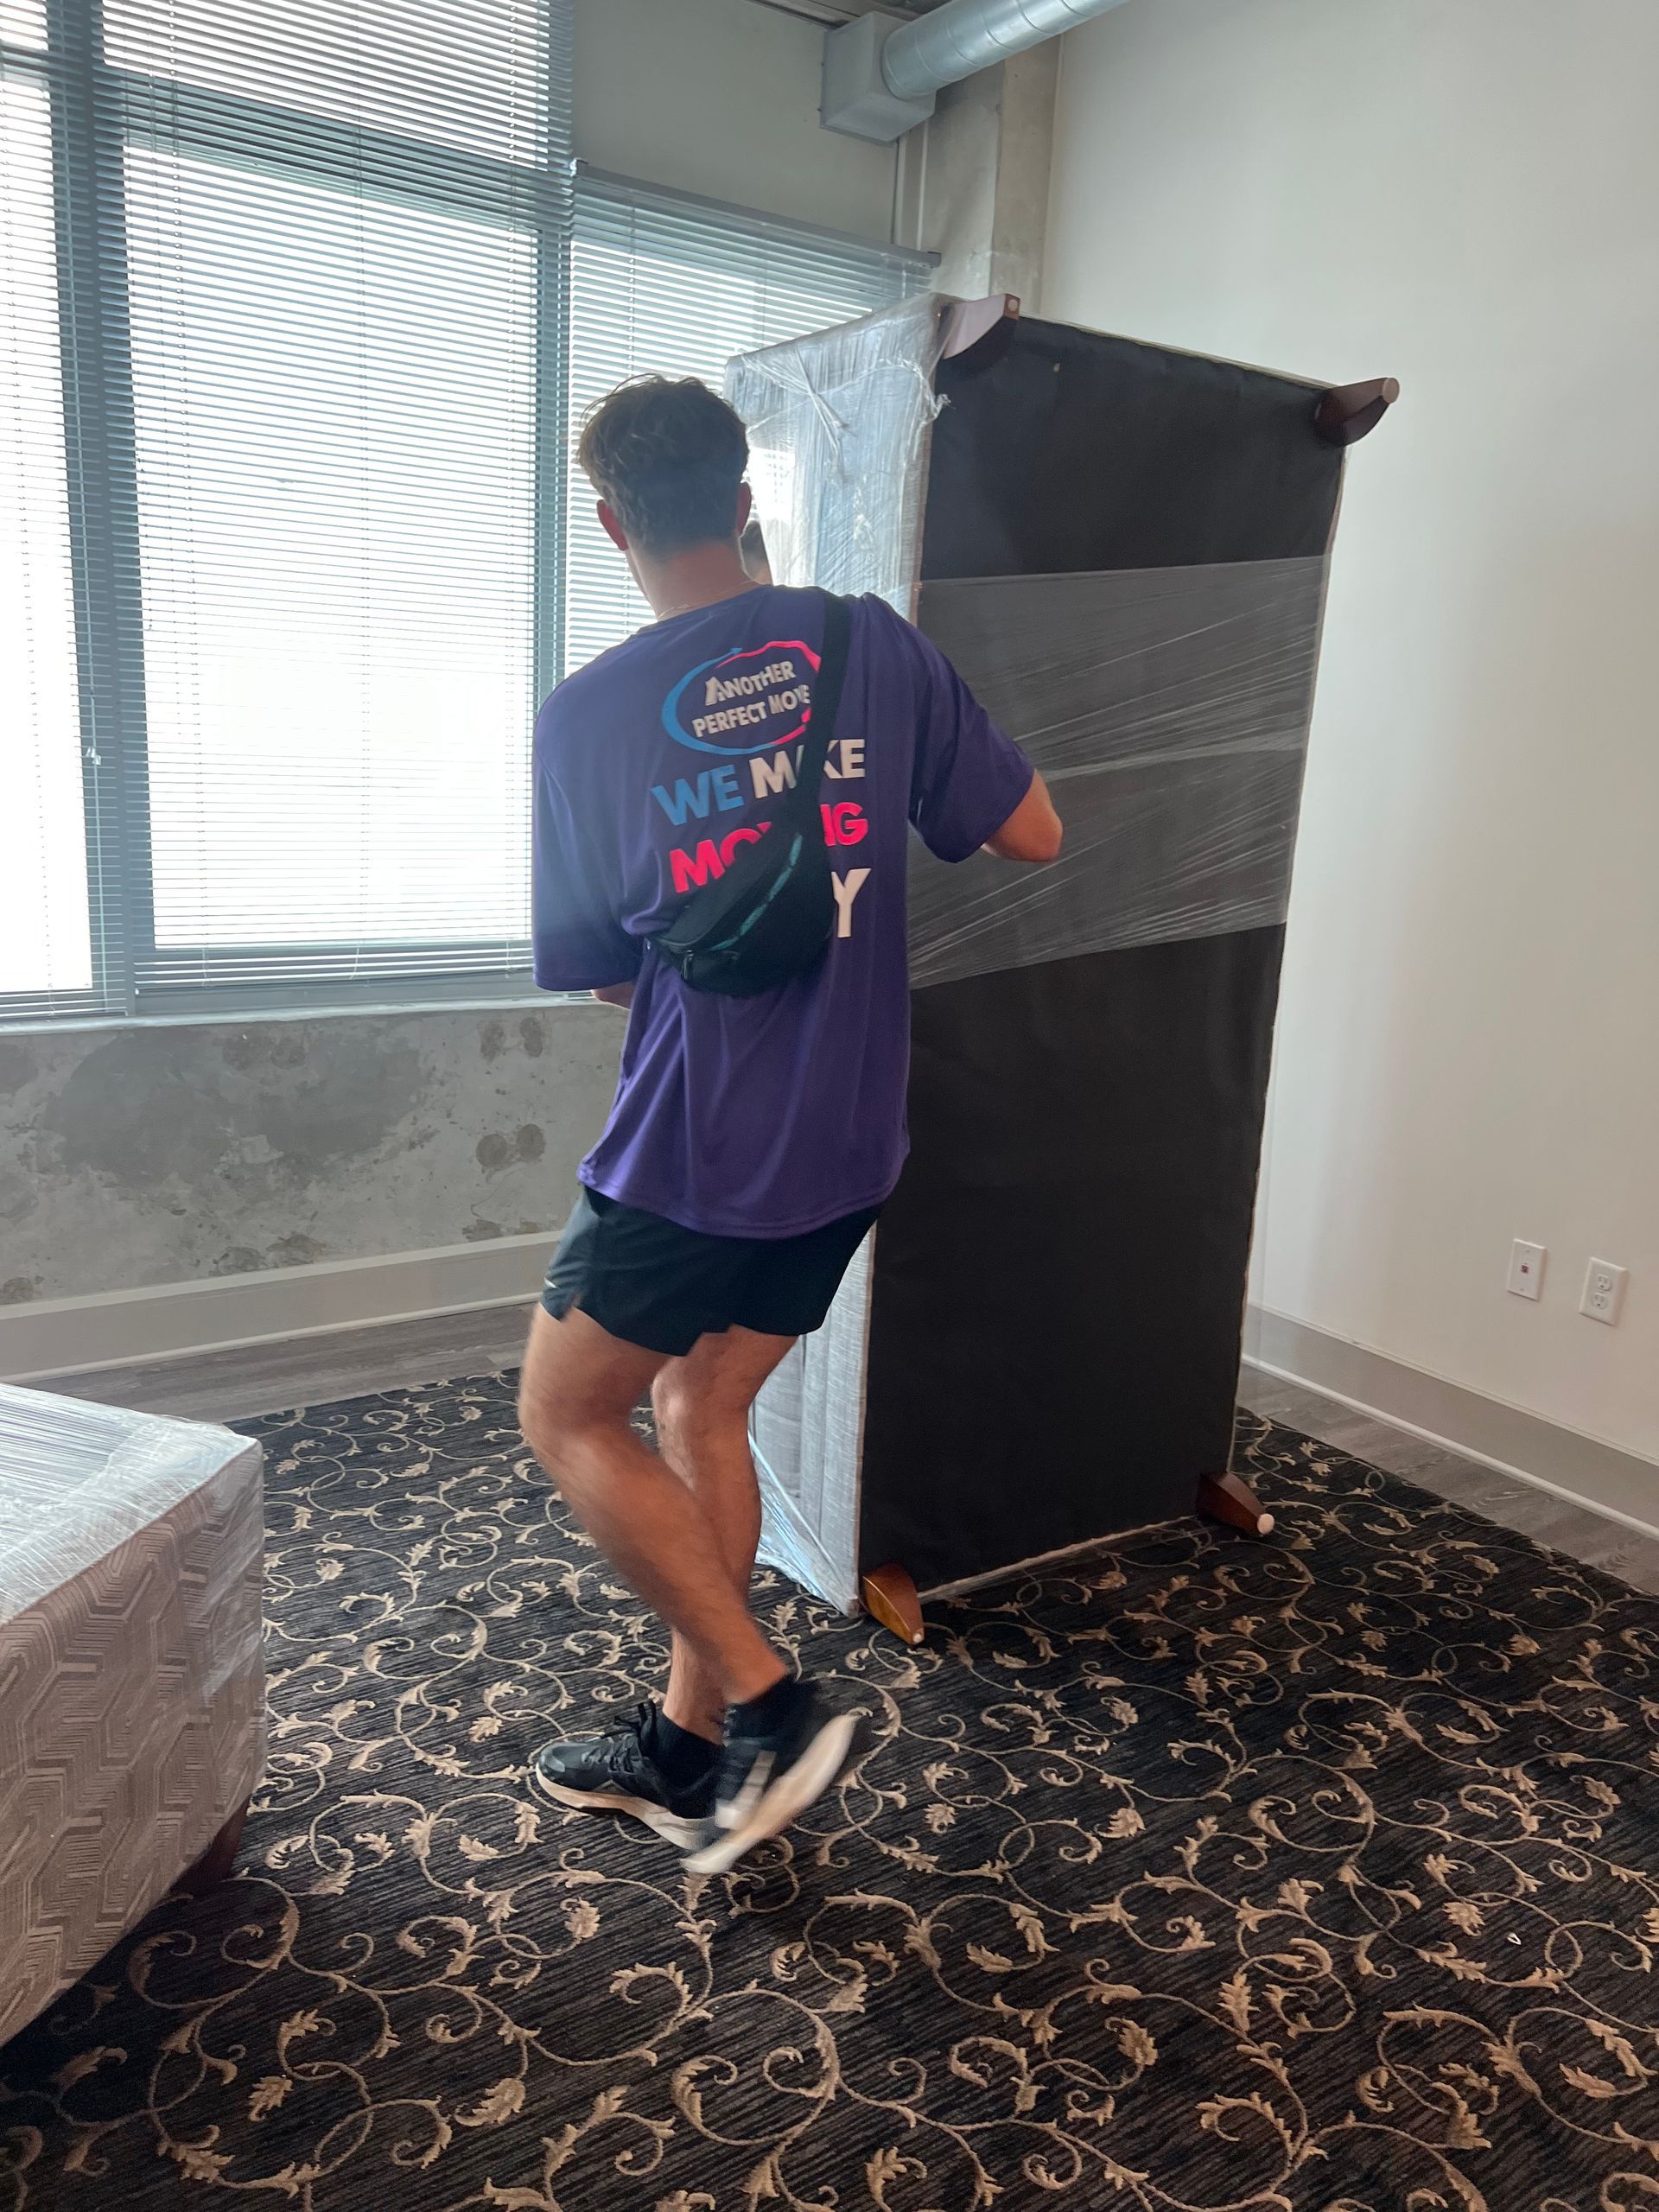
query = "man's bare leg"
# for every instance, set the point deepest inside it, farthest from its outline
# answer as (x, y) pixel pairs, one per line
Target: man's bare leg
(702, 1403)
(576, 1393)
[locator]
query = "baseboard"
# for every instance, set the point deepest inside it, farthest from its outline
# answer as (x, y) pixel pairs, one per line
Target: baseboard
(1582, 1468)
(60, 1335)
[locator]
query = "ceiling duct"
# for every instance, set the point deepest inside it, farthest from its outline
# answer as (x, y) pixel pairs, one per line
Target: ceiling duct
(881, 72)
(968, 35)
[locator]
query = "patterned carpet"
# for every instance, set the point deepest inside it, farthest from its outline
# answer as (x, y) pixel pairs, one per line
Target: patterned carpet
(1316, 1873)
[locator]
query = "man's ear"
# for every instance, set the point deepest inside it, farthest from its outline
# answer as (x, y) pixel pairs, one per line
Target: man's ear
(611, 528)
(745, 507)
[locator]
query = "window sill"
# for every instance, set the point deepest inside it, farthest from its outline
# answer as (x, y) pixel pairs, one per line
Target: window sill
(254, 1017)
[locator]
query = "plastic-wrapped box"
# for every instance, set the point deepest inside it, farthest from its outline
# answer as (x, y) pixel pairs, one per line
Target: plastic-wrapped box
(1123, 549)
(131, 1677)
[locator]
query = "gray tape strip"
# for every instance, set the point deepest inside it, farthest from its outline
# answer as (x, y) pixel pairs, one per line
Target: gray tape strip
(1168, 708)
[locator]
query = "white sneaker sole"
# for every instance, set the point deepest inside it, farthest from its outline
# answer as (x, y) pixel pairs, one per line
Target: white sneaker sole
(673, 1827)
(819, 1767)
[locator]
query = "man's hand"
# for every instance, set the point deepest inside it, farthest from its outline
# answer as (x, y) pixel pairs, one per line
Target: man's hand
(1033, 831)
(615, 995)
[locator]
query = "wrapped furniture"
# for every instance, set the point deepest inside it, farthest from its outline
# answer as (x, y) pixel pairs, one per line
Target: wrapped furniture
(132, 1682)
(1123, 550)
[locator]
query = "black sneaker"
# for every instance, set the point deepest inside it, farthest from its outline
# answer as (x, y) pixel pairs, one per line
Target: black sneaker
(768, 1777)
(617, 1773)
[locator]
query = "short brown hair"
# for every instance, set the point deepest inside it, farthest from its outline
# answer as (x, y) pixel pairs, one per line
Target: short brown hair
(667, 457)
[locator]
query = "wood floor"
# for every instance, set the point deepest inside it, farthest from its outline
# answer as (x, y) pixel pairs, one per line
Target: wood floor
(270, 1378)
(312, 1370)
(1575, 1530)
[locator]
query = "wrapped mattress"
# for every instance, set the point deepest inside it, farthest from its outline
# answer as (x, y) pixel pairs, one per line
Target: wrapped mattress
(131, 1680)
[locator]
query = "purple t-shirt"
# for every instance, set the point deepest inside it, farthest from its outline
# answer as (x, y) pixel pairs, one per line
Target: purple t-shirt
(765, 1116)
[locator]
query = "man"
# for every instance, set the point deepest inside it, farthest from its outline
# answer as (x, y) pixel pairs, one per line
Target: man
(752, 1141)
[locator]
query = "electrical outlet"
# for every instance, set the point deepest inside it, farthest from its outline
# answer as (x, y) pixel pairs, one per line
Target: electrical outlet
(1604, 1291)
(1527, 1269)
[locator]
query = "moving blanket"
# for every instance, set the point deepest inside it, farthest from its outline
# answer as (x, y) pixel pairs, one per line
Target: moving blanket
(1123, 549)
(131, 1680)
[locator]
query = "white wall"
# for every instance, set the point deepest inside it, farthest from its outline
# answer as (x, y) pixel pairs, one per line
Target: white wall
(721, 96)
(1463, 193)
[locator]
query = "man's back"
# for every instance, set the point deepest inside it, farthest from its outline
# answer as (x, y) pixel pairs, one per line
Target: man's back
(766, 1116)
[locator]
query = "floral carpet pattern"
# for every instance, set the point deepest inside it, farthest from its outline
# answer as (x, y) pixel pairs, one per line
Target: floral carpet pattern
(1321, 1873)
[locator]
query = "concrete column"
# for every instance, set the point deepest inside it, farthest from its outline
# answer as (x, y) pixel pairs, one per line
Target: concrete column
(973, 183)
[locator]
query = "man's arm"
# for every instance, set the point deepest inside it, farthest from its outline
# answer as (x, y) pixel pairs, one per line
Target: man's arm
(574, 932)
(615, 993)
(1033, 831)
(972, 790)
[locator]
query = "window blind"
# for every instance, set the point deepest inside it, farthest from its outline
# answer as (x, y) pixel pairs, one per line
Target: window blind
(283, 292)
(46, 953)
(666, 283)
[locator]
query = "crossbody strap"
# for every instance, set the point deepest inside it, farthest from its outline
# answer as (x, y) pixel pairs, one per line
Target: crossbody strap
(826, 705)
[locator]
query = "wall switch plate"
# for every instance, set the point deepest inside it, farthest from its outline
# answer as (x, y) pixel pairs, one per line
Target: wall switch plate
(1604, 1291)
(1527, 1269)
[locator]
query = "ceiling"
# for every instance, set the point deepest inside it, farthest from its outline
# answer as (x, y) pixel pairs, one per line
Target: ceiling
(842, 11)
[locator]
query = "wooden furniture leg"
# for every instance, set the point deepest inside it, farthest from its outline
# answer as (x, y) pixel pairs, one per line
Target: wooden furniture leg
(1229, 1498)
(216, 1862)
(1342, 418)
(890, 1595)
(968, 323)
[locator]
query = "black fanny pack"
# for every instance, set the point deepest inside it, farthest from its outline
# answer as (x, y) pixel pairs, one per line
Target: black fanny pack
(769, 917)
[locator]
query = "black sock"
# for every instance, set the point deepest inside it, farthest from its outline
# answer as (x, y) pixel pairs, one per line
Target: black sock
(757, 1716)
(679, 1756)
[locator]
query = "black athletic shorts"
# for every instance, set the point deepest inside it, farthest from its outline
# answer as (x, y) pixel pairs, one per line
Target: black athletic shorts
(654, 1284)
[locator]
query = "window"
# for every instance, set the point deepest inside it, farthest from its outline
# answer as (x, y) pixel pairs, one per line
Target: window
(294, 328)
